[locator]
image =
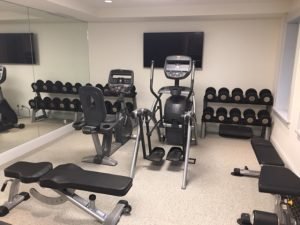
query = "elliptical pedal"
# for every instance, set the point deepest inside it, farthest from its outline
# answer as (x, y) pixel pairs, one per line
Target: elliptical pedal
(156, 155)
(175, 154)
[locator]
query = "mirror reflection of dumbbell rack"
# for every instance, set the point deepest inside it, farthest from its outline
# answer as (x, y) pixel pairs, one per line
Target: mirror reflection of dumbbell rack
(65, 98)
(113, 105)
(235, 116)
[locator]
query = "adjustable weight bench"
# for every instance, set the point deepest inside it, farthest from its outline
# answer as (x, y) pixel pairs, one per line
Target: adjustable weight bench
(65, 180)
(265, 154)
(286, 185)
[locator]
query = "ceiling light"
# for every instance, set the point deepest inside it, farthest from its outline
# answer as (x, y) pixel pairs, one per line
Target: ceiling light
(108, 1)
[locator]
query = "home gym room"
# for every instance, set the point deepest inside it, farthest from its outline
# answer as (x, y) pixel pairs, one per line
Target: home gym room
(231, 168)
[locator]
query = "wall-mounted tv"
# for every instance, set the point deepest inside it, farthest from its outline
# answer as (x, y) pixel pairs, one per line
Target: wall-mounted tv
(18, 48)
(157, 46)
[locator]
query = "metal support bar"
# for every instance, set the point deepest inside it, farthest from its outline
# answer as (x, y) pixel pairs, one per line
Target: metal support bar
(187, 154)
(135, 152)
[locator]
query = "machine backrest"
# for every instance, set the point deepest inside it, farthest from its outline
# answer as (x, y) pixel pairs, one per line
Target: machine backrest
(93, 106)
(2, 74)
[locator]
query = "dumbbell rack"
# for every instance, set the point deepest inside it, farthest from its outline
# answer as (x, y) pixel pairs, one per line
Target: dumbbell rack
(69, 90)
(66, 90)
(265, 131)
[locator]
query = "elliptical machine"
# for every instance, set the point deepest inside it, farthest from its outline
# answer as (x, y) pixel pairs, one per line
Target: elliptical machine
(176, 125)
(8, 117)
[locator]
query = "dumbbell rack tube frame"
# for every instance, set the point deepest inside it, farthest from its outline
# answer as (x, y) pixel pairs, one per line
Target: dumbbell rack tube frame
(265, 131)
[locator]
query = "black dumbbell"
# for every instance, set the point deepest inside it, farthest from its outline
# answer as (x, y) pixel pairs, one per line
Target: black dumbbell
(34, 87)
(48, 86)
(237, 94)
(249, 116)
(77, 105)
(56, 103)
(223, 94)
(208, 113)
(32, 103)
(88, 84)
(132, 91)
(40, 103)
(221, 114)
(117, 106)
(109, 107)
(265, 96)
(264, 117)
(65, 103)
(75, 88)
(47, 102)
(251, 95)
(106, 90)
(39, 85)
(100, 87)
(57, 87)
(129, 106)
(235, 115)
(210, 93)
(67, 88)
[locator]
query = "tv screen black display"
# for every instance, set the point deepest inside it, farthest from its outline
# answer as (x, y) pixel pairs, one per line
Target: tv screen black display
(17, 48)
(157, 46)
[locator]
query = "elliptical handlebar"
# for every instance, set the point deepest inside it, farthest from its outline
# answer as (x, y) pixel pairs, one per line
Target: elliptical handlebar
(153, 92)
(2, 74)
(192, 79)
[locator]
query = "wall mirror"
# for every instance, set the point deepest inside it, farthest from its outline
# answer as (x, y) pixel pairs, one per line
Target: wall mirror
(58, 53)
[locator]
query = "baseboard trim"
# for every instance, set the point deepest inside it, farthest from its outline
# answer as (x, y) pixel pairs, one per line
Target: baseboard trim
(31, 145)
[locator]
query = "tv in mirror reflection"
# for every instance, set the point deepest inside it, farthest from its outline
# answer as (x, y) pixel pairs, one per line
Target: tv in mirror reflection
(157, 46)
(18, 48)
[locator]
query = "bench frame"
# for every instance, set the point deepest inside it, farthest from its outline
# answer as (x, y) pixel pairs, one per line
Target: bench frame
(15, 198)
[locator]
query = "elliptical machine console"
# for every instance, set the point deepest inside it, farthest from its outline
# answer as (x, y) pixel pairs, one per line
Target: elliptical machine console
(178, 67)
(8, 117)
(120, 81)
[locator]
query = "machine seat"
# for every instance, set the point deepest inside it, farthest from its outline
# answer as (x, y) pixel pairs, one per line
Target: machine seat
(265, 152)
(71, 176)
(28, 172)
(279, 180)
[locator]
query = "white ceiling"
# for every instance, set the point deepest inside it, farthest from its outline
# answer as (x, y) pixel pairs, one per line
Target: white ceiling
(135, 10)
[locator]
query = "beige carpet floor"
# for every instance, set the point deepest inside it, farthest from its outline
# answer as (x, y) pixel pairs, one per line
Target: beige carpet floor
(212, 197)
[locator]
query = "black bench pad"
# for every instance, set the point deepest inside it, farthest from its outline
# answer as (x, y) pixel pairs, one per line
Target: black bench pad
(260, 141)
(279, 180)
(265, 152)
(71, 176)
(235, 131)
(27, 172)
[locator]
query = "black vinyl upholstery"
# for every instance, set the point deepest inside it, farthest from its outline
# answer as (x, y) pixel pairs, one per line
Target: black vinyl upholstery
(93, 105)
(265, 152)
(28, 172)
(74, 177)
(279, 180)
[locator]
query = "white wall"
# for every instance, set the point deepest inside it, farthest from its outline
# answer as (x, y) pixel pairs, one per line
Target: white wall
(284, 134)
(63, 55)
(237, 53)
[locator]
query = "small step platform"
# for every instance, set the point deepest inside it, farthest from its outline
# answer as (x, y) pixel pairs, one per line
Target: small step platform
(175, 154)
(156, 155)
(235, 131)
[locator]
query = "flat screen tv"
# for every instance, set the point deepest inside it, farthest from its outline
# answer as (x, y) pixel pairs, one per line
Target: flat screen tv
(18, 48)
(157, 46)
